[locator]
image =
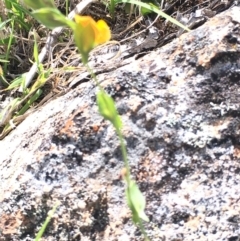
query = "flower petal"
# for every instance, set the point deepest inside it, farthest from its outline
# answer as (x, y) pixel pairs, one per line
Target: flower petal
(84, 35)
(88, 34)
(104, 32)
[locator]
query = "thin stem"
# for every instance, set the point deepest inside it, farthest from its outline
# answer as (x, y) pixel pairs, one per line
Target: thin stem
(140, 225)
(67, 6)
(127, 176)
(119, 133)
(9, 47)
(124, 153)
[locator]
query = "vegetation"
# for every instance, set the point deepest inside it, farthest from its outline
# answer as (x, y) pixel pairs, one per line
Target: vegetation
(88, 34)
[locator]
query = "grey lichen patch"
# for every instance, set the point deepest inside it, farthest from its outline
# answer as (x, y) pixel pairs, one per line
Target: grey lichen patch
(88, 208)
(200, 137)
(225, 107)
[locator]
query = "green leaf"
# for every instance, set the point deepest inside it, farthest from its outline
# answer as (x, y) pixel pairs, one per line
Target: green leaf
(5, 41)
(30, 102)
(35, 50)
(16, 82)
(3, 60)
(136, 202)
(145, 11)
(51, 18)
(108, 109)
(37, 4)
(112, 8)
(153, 9)
(45, 224)
(3, 24)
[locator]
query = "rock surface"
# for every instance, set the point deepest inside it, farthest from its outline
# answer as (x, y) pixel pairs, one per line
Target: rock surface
(181, 111)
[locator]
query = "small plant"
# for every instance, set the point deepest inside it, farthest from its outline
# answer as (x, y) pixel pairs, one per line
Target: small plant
(18, 107)
(44, 226)
(89, 34)
(150, 7)
(13, 18)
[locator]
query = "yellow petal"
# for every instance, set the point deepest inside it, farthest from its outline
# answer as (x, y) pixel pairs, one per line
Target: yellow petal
(89, 34)
(85, 21)
(104, 34)
(84, 35)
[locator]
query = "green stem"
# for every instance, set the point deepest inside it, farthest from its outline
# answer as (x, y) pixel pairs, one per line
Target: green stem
(93, 75)
(67, 6)
(119, 133)
(140, 225)
(127, 176)
(124, 153)
(112, 8)
(45, 224)
(8, 47)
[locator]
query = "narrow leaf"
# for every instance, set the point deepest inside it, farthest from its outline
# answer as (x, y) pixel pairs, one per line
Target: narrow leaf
(30, 102)
(136, 202)
(44, 226)
(51, 17)
(107, 109)
(37, 4)
(153, 9)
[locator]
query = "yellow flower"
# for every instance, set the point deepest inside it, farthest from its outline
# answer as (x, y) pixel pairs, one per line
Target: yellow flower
(89, 33)
(104, 33)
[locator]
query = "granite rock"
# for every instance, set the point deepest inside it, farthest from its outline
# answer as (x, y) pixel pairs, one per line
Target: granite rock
(180, 106)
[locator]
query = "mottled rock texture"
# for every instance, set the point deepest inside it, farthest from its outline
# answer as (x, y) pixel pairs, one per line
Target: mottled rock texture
(181, 111)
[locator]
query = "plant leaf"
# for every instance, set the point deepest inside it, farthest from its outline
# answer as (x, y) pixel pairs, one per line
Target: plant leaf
(145, 11)
(153, 9)
(51, 17)
(45, 224)
(30, 102)
(136, 202)
(37, 4)
(107, 109)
